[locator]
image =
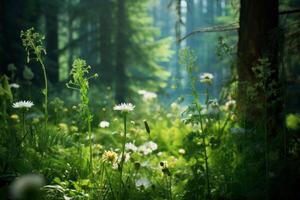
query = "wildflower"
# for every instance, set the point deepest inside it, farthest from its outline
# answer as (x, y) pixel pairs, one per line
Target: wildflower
(131, 147)
(211, 109)
(124, 107)
(15, 117)
(126, 158)
(104, 124)
(110, 156)
(147, 147)
(147, 96)
(174, 106)
(22, 186)
(22, 104)
(73, 128)
(142, 183)
(206, 78)
(181, 151)
(230, 105)
(63, 127)
(14, 85)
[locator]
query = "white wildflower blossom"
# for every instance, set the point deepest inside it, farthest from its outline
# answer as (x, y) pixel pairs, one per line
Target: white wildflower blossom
(14, 85)
(22, 104)
(181, 151)
(230, 105)
(124, 107)
(147, 147)
(104, 124)
(142, 183)
(131, 147)
(206, 78)
(147, 96)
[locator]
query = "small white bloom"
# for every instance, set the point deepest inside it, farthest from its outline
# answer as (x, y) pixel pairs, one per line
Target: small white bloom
(131, 147)
(206, 78)
(147, 147)
(22, 104)
(14, 85)
(174, 106)
(230, 105)
(104, 124)
(147, 96)
(124, 107)
(142, 182)
(181, 151)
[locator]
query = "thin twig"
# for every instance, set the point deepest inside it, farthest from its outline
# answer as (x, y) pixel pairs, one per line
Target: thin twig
(219, 28)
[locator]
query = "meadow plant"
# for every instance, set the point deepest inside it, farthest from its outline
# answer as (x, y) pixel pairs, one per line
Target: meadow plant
(23, 106)
(124, 108)
(80, 82)
(33, 44)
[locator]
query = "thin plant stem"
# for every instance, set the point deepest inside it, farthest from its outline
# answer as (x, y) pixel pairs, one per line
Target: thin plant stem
(23, 124)
(45, 92)
(123, 156)
(90, 142)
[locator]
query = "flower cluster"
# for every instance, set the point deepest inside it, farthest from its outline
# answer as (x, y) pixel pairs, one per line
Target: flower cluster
(147, 148)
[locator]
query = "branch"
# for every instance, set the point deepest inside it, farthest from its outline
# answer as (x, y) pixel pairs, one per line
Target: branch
(219, 28)
(286, 12)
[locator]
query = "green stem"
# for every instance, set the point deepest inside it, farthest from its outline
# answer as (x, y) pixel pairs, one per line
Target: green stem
(23, 124)
(39, 58)
(90, 141)
(123, 155)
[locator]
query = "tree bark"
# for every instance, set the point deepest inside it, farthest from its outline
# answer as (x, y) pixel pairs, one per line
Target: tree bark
(51, 17)
(121, 43)
(257, 40)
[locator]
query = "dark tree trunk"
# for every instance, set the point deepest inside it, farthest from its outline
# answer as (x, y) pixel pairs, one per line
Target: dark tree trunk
(106, 42)
(259, 97)
(51, 17)
(121, 43)
(258, 26)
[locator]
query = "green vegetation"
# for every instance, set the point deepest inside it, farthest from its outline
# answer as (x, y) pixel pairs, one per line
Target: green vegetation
(213, 117)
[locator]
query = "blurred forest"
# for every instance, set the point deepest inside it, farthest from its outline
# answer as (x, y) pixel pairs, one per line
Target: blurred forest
(230, 133)
(136, 42)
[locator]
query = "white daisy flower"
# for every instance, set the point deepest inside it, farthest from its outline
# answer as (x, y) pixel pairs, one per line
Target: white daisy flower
(124, 107)
(131, 147)
(206, 78)
(14, 85)
(142, 183)
(104, 124)
(22, 104)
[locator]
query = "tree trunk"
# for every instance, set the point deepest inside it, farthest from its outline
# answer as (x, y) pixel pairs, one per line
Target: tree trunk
(106, 49)
(121, 43)
(51, 17)
(258, 25)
